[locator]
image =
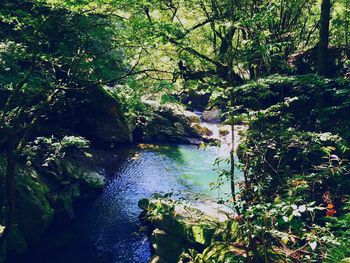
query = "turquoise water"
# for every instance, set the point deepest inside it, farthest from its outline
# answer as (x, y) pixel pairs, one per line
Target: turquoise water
(107, 229)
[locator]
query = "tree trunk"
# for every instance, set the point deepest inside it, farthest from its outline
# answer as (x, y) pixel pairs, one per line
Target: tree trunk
(10, 199)
(232, 153)
(232, 162)
(323, 62)
(347, 6)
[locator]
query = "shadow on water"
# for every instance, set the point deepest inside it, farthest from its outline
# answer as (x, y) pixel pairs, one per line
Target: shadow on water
(107, 229)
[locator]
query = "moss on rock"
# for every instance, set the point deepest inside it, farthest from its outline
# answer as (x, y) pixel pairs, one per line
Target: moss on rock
(83, 174)
(43, 193)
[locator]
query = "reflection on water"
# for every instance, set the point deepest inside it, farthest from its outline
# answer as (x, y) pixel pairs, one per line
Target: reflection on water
(107, 229)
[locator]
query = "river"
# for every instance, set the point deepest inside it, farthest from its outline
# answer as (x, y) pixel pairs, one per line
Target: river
(108, 229)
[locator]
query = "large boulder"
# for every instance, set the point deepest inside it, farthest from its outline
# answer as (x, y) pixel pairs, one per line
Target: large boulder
(166, 124)
(195, 99)
(80, 173)
(71, 179)
(212, 116)
(93, 113)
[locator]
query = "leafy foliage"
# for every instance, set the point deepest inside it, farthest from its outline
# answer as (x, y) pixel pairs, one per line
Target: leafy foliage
(294, 205)
(297, 146)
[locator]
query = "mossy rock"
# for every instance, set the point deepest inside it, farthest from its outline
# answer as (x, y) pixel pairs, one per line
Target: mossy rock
(193, 233)
(189, 231)
(202, 233)
(177, 221)
(144, 203)
(33, 210)
(192, 117)
(65, 201)
(223, 131)
(81, 173)
(94, 180)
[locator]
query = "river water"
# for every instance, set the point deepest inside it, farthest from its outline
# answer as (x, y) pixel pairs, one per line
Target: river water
(108, 229)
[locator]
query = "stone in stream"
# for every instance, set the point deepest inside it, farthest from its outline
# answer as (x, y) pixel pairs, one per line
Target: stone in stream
(92, 179)
(223, 131)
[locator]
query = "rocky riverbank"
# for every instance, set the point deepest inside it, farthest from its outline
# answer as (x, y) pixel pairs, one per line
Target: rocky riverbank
(45, 194)
(191, 233)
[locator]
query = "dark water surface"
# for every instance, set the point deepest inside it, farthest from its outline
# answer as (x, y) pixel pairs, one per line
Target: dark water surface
(107, 229)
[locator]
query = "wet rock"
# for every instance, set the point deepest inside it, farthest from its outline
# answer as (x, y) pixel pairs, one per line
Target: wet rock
(65, 201)
(186, 223)
(201, 129)
(192, 117)
(144, 203)
(179, 128)
(157, 259)
(212, 115)
(45, 193)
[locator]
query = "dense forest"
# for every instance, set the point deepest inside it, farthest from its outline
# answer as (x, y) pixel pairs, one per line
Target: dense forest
(88, 87)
